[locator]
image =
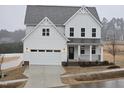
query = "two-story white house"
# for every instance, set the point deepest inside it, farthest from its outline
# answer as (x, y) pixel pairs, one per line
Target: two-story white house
(62, 33)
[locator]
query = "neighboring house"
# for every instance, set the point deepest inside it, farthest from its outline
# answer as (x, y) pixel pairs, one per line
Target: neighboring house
(62, 33)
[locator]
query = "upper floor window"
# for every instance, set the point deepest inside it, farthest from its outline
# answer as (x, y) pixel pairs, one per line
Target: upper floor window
(93, 32)
(82, 32)
(82, 49)
(93, 49)
(45, 32)
(71, 32)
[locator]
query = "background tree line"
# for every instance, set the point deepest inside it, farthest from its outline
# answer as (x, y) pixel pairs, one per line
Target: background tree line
(16, 47)
(10, 42)
(115, 25)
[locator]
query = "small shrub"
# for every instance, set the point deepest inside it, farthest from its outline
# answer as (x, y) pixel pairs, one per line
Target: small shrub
(93, 63)
(81, 64)
(64, 64)
(97, 61)
(105, 62)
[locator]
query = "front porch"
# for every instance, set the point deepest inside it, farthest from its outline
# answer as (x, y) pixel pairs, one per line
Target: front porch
(78, 52)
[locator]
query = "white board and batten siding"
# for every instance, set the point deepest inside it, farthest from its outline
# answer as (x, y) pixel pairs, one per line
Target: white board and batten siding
(52, 42)
(82, 20)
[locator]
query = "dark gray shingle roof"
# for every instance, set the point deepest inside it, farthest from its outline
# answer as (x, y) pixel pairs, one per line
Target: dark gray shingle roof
(57, 14)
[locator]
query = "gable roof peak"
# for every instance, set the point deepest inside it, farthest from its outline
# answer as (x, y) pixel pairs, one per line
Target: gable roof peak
(57, 14)
(45, 19)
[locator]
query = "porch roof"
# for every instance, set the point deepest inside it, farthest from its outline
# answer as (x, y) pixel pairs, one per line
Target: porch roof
(84, 44)
(85, 40)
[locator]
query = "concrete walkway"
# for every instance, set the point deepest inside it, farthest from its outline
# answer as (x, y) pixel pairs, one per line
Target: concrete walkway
(43, 76)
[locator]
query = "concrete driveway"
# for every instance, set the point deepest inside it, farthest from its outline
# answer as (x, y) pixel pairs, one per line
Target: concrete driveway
(44, 76)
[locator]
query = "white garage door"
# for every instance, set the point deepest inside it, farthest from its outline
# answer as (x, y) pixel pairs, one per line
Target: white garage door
(45, 58)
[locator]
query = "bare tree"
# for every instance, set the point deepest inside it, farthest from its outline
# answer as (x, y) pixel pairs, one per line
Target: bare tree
(1, 62)
(113, 50)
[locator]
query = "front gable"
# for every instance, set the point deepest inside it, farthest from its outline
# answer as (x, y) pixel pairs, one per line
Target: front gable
(82, 19)
(35, 39)
(45, 23)
(83, 10)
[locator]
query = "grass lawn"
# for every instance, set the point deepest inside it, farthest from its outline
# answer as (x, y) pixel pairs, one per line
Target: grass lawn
(14, 75)
(118, 57)
(78, 69)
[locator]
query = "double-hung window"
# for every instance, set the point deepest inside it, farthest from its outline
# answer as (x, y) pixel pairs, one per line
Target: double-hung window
(93, 32)
(93, 49)
(45, 32)
(82, 49)
(82, 32)
(71, 32)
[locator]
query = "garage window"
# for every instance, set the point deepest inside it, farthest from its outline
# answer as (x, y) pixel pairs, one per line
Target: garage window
(57, 50)
(41, 50)
(49, 50)
(33, 50)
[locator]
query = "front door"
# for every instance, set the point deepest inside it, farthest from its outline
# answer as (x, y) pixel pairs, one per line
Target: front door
(71, 52)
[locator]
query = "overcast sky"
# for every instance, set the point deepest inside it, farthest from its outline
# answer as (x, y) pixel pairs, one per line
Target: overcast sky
(12, 17)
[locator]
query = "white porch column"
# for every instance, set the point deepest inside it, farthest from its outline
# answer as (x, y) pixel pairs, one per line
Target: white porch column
(101, 53)
(90, 52)
(78, 52)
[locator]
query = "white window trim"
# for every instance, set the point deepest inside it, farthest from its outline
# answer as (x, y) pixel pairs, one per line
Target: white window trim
(82, 48)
